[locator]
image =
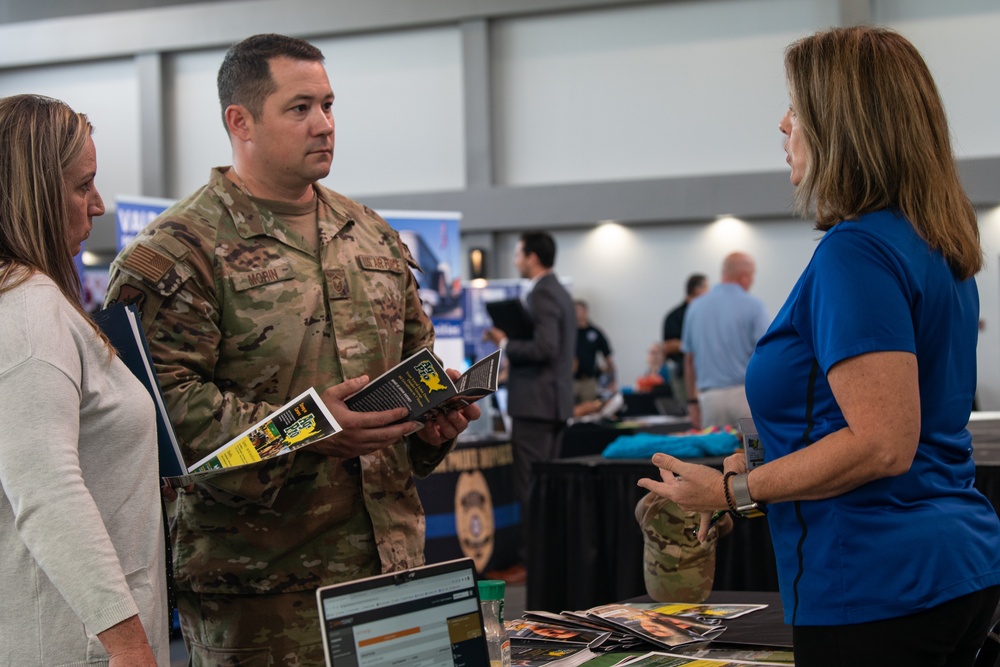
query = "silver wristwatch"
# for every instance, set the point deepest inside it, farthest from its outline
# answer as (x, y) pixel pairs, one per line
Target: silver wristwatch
(745, 505)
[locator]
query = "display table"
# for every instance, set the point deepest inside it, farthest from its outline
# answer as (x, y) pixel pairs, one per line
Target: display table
(586, 547)
(590, 438)
(765, 627)
(470, 506)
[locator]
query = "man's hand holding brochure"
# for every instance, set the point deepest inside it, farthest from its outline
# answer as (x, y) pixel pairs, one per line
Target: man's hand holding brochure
(419, 383)
(301, 422)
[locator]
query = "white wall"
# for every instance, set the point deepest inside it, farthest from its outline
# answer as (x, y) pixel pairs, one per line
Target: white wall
(196, 138)
(108, 92)
(668, 90)
(989, 309)
(398, 113)
(958, 41)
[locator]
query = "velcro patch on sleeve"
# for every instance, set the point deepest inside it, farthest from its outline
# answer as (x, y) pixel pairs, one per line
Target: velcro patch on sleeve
(380, 263)
(148, 263)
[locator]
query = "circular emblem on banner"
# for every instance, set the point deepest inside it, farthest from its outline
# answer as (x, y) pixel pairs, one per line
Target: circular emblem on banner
(474, 517)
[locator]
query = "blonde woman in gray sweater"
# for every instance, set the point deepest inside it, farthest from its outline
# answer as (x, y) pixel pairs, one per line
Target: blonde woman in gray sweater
(82, 573)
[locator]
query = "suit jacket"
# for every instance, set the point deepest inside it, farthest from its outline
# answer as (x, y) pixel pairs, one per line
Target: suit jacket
(540, 382)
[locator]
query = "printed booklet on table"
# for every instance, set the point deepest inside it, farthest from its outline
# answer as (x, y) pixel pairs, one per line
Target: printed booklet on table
(677, 660)
(419, 384)
(658, 629)
(705, 612)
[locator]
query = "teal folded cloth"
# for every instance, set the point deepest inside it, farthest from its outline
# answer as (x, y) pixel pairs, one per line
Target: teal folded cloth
(684, 445)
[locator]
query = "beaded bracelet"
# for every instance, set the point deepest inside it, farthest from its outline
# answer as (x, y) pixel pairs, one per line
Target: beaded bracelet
(729, 498)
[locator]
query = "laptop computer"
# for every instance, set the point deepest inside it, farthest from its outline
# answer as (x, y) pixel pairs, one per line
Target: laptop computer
(423, 617)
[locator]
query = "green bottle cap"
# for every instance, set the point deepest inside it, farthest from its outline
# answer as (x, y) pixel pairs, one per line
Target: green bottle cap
(490, 589)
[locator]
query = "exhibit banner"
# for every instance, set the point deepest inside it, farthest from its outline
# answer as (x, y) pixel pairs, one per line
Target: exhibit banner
(133, 213)
(434, 243)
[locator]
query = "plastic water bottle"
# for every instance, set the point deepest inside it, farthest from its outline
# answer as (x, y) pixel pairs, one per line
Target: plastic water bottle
(491, 602)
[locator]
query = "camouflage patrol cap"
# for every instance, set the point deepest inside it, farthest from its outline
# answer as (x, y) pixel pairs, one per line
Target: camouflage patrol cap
(676, 566)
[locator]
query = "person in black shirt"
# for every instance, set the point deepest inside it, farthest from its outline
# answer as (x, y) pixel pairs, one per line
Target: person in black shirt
(590, 378)
(697, 284)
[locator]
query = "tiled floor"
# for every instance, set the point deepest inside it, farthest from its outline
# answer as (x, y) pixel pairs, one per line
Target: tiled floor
(513, 608)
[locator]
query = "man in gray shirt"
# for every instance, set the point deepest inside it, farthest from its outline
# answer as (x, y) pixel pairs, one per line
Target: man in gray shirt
(720, 332)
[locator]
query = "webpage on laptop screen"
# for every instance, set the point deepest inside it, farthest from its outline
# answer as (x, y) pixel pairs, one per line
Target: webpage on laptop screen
(430, 622)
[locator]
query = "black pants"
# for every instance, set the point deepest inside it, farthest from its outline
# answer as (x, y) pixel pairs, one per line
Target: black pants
(948, 635)
(533, 440)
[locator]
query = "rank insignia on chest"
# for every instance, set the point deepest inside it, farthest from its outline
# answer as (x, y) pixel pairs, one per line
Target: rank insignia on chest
(336, 284)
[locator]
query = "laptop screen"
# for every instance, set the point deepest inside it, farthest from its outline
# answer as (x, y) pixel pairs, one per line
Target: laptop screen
(427, 616)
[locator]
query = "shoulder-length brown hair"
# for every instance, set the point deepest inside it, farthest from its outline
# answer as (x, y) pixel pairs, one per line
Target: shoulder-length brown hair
(40, 138)
(877, 137)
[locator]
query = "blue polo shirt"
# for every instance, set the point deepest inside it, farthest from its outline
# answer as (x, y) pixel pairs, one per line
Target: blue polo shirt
(721, 329)
(901, 544)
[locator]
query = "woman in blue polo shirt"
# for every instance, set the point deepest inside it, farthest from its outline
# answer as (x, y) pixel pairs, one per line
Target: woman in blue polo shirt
(862, 387)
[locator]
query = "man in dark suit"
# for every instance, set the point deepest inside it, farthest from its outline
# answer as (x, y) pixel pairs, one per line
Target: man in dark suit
(540, 380)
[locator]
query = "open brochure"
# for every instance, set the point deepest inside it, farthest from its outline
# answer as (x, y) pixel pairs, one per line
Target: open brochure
(419, 384)
(300, 422)
(677, 660)
(531, 631)
(706, 613)
(775, 657)
(657, 629)
(548, 655)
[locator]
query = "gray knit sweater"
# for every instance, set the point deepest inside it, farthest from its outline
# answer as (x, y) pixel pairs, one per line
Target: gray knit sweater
(81, 534)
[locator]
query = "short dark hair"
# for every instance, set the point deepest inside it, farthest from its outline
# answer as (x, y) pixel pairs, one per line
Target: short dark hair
(245, 73)
(695, 281)
(542, 245)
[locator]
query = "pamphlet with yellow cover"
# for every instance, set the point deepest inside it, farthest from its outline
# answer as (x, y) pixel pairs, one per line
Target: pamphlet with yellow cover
(302, 421)
(419, 384)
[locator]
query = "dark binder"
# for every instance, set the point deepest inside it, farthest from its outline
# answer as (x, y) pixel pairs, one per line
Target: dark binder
(120, 323)
(511, 317)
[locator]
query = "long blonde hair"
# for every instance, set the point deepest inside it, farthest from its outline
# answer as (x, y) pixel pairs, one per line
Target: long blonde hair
(877, 137)
(40, 138)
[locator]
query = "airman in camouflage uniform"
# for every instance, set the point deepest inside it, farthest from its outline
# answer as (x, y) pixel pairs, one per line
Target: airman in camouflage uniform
(676, 566)
(243, 313)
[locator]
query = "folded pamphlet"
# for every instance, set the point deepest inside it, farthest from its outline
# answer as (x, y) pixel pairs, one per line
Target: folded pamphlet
(300, 422)
(419, 384)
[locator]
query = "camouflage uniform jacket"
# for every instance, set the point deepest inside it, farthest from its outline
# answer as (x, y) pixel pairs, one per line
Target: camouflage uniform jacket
(241, 316)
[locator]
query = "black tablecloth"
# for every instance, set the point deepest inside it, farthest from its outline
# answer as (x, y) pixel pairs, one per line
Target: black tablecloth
(590, 438)
(765, 626)
(585, 545)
